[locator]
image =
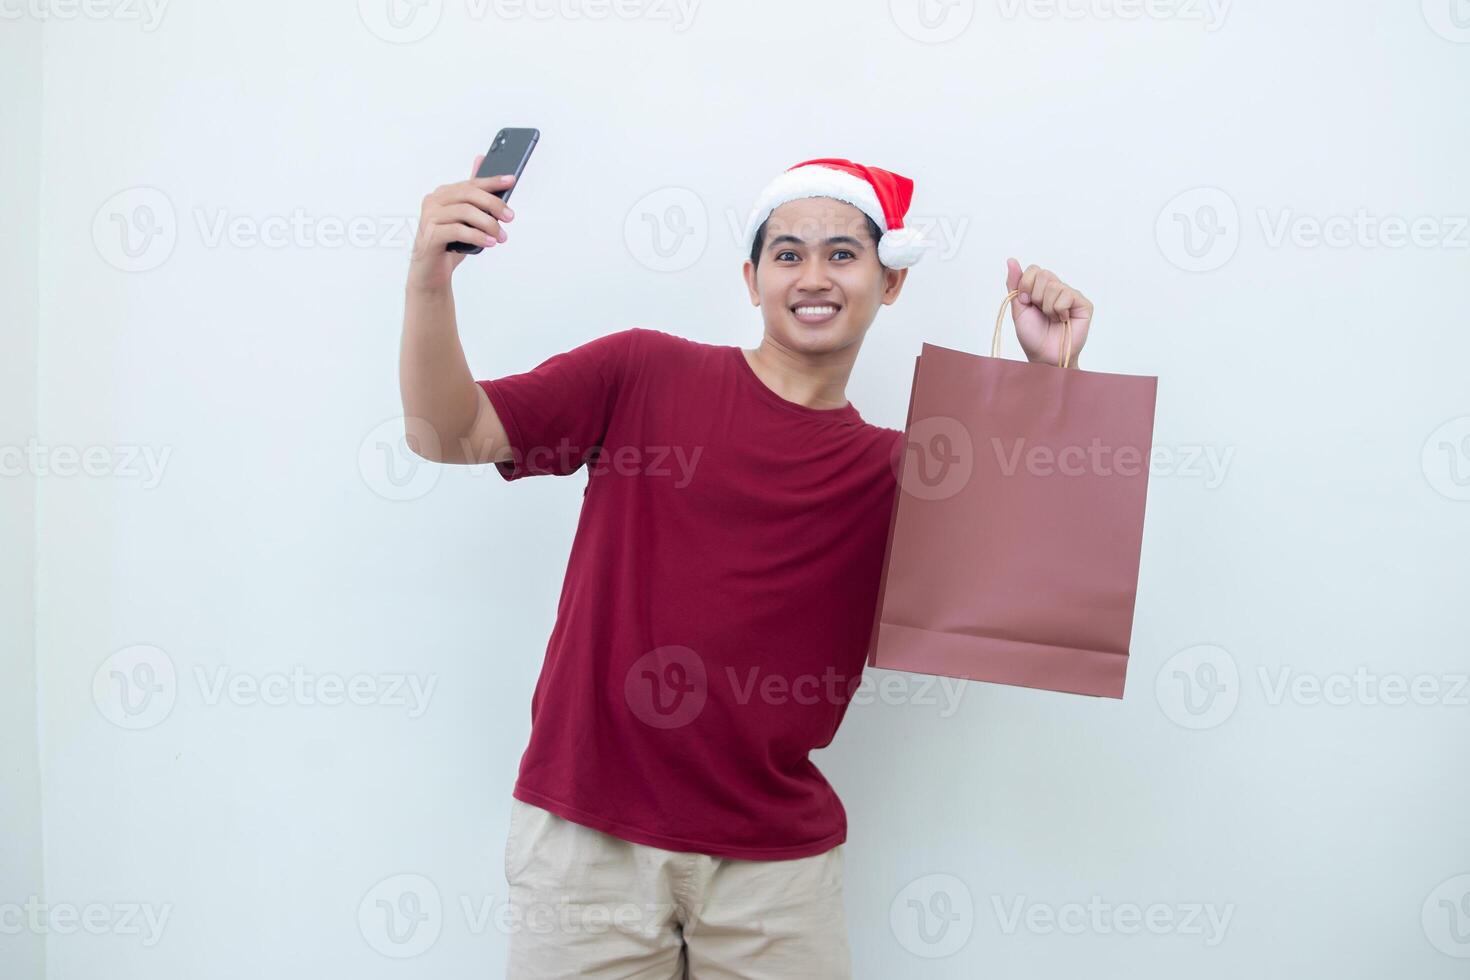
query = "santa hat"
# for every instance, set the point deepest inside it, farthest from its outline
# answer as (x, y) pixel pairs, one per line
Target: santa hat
(880, 194)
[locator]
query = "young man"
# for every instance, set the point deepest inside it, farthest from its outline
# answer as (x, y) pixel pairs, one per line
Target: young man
(713, 622)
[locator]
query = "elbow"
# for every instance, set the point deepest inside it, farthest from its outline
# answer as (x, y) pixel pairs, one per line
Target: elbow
(422, 440)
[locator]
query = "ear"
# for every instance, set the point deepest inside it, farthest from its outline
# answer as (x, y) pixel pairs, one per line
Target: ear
(749, 273)
(893, 280)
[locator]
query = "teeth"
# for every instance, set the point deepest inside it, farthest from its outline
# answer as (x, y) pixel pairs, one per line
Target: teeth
(816, 310)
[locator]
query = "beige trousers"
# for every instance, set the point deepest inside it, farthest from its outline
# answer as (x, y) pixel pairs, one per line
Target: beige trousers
(586, 904)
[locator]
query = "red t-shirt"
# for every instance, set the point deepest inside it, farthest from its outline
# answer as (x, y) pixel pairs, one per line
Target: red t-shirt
(714, 619)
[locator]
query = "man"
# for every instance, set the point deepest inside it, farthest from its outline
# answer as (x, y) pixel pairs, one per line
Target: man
(713, 623)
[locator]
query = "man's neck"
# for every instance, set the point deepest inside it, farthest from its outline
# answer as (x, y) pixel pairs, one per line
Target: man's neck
(815, 381)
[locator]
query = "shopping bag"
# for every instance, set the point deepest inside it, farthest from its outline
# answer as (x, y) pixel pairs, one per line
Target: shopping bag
(1014, 540)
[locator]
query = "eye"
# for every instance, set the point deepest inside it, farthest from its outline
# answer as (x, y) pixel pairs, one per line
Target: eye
(782, 253)
(844, 251)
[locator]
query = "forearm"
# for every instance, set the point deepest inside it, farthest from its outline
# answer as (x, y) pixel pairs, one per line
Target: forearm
(434, 380)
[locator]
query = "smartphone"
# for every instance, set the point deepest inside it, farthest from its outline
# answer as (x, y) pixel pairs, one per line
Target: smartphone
(508, 154)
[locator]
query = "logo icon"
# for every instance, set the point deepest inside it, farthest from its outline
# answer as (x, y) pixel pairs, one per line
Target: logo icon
(390, 468)
(667, 230)
(667, 687)
(1446, 459)
(1446, 917)
(400, 21)
(938, 458)
(1198, 687)
(1199, 230)
(933, 916)
(1450, 19)
(932, 21)
(135, 229)
(136, 687)
(401, 916)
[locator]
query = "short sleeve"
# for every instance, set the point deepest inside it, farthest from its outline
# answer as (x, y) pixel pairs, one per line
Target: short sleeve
(559, 411)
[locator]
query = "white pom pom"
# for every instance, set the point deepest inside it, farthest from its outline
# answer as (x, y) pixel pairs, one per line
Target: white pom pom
(901, 247)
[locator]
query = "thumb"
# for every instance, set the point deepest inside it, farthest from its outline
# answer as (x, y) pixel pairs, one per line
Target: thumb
(475, 170)
(1013, 279)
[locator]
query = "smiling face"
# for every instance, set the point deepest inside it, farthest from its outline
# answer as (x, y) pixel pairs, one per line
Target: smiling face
(818, 281)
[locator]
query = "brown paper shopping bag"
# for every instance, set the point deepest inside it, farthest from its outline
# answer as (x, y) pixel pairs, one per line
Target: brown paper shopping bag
(1014, 542)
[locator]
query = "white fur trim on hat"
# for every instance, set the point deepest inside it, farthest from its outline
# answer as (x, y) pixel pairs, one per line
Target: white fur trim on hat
(901, 247)
(897, 249)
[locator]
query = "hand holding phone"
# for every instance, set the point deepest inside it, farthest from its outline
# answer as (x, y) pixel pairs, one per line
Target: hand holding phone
(508, 154)
(466, 216)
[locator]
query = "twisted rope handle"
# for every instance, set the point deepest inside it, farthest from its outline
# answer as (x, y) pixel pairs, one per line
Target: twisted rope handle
(1064, 356)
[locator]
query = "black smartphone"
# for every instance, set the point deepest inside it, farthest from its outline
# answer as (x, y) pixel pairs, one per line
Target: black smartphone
(508, 154)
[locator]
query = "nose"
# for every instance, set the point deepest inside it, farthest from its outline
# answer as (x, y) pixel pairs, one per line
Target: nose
(814, 277)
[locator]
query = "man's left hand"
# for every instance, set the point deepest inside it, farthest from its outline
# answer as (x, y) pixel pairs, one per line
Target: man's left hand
(1039, 310)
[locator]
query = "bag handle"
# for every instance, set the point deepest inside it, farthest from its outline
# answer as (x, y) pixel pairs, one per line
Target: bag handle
(1064, 356)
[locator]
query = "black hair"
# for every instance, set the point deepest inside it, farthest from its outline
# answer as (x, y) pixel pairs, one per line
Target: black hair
(760, 238)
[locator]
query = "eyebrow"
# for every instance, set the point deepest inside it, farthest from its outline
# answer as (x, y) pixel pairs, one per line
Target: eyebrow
(793, 240)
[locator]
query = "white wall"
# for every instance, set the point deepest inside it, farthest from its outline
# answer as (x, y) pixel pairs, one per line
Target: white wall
(22, 951)
(240, 522)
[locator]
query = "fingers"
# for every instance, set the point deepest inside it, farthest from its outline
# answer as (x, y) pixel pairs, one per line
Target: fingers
(476, 191)
(1081, 306)
(1061, 304)
(467, 214)
(1051, 294)
(497, 182)
(1031, 282)
(1041, 288)
(485, 201)
(436, 236)
(1045, 282)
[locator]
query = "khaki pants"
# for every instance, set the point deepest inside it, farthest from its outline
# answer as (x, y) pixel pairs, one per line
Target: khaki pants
(586, 904)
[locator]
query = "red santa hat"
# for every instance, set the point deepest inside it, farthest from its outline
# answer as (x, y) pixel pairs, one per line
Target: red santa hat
(880, 194)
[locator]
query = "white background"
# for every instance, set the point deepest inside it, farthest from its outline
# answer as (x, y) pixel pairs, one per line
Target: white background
(1151, 160)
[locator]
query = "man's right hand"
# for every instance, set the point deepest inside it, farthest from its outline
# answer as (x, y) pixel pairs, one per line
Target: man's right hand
(466, 211)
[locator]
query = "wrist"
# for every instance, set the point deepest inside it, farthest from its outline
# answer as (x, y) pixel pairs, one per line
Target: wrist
(432, 292)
